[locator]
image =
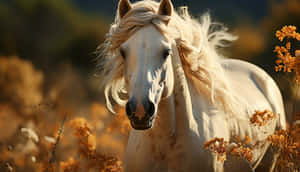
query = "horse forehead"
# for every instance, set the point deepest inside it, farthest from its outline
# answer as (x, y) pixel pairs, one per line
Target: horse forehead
(147, 37)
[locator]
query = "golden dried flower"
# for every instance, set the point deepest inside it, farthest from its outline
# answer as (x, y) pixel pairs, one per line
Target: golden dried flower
(286, 62)
(287, 32)
(287, 142)
(217, 146)
(241, 151)
(87, 148)
(221, 148)
(260, 118)
(70, 166)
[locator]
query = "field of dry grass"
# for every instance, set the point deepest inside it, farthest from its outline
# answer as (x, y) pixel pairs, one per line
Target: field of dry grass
(43, 130)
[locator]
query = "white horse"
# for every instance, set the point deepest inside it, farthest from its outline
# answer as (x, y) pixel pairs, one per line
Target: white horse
(180, 92)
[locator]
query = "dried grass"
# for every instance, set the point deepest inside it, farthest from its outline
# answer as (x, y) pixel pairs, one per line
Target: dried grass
(239, 148)
(30, 114)
(87, 149)
(261, 118)
(287, 62)
(288, 141)
(20, 84)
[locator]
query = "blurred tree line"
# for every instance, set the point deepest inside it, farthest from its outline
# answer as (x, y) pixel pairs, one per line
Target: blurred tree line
(48, 32)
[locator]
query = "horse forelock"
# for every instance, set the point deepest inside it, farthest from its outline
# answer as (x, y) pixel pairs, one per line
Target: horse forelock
(138, 17)
(197, 43)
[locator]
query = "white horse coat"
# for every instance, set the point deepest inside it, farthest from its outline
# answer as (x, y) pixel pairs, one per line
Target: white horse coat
(186, 118)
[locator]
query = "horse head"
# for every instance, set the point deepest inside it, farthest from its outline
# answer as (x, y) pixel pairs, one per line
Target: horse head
(148, 71)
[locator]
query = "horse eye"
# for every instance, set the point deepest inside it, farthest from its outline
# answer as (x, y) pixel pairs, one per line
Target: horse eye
(122, 52)
(166, 53)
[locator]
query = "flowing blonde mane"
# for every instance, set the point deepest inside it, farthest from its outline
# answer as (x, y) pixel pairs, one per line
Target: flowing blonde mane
(197, 43)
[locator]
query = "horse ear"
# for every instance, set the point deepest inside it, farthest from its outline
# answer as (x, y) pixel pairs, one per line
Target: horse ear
(165, 8)
(124, 7)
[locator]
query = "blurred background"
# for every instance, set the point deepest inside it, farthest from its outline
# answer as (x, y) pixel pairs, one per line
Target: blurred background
(47, 69)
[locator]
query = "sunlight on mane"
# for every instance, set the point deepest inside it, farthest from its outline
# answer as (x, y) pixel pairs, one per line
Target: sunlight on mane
(197, 42)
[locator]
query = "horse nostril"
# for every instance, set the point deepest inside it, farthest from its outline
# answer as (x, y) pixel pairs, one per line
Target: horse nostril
(129, 110)
(149, 108)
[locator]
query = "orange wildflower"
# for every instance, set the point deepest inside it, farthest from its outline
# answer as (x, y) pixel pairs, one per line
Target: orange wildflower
(87, 148)
(223, 148)
(286, 62)
(260, 118)
(287, 32)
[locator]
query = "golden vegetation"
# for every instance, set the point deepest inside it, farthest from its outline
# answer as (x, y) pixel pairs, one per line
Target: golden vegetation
(70, 166)
(239, 148)
(288, 141)
(120, 121)
(87, 149)
(20, 83)
(286, 62)
(260, 118)
(287, 32)
(32, 138)
(217, 146)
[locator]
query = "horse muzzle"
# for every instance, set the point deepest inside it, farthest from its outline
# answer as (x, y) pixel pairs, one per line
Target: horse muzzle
(141, 115)
(143, 124)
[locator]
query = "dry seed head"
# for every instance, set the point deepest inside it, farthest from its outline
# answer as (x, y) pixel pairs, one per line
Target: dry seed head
(286, 62)
(221, 148)
(260, 118)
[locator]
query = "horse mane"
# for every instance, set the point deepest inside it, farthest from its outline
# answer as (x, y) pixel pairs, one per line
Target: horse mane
(197, 42)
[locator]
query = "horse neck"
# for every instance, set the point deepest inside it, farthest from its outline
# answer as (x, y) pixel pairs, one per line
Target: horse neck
(173, 121)
(165, 121)
(185, 120)
(175, 116)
